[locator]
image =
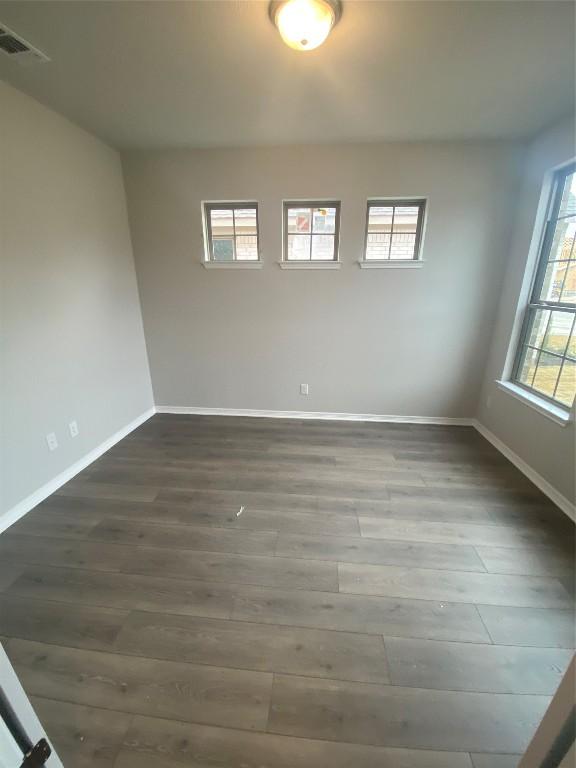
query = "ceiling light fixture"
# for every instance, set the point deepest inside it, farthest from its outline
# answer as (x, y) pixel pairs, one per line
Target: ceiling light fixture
(305, 24)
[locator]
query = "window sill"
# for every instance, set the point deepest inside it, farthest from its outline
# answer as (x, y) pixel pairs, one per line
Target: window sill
(309, 264)
(554, 412)
(232, 264)
(390, 264)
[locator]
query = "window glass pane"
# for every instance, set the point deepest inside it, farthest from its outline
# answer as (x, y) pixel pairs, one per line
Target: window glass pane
(402, 245)
(566, 388)
(539, 319)
(380, 218)
(528, 366)
(569, 290)
(246, 248)
(563, 240)
(553, 280)
(245, 221)
(323, 248)
(221, 222)
(299, 219)
(324, 220)
(405, 219)
(571, 351)
(559, 327)
(547, 374)
(568, 203)
(299, 247)
(223, 249)
(377, 246)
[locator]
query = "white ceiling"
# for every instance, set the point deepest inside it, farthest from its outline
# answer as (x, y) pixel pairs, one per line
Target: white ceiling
(215, 72)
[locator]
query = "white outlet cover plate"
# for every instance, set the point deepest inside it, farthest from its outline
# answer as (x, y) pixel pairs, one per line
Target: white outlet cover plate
(73, 427)
(52, 441)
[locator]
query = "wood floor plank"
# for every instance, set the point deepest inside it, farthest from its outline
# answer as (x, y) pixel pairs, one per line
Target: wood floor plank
(455, 586)
(234, 569)
(84, 737)
(536, 627)
(379, 552)
(40, 522)
(431, 511)
(9, 573)
(125, 591)
(403, 717)
(495, 761)
(34, 550)
(83, 627)
(356, 613)
(220, 513)
(188, 692)
(173, 478)
(89, 489)
(453, 533)
(154, 743)
(473, 667)
(534, 561)
(243, 645)
(299, 522)
(199, 538)
(232, 500)
(470, 495)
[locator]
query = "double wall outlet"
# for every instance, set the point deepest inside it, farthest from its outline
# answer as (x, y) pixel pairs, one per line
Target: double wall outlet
(52, 440)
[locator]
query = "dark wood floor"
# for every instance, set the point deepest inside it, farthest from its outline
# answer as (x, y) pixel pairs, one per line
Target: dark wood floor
(391, 596)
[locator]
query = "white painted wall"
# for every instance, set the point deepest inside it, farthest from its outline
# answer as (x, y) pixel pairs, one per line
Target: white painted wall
(546, 446)
(71, 337)
(396, 341)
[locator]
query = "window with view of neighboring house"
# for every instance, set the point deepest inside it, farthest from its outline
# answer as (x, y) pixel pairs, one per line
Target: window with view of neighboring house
(546, 358)
(394, 230)
(311, 231)
(231, 231)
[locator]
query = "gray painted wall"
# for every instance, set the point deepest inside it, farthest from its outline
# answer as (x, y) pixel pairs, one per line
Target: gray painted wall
(71, 337)
(546, 446)
(394, 341)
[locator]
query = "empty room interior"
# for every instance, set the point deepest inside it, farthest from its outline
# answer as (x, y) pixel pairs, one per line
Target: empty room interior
(287, 384)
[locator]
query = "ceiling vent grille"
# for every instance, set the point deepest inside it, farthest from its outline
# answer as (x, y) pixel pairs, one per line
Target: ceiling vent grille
(18, 49)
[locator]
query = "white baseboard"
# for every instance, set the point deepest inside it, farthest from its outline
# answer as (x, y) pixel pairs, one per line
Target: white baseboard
(561, 501)
(320, 415)
(14, 514)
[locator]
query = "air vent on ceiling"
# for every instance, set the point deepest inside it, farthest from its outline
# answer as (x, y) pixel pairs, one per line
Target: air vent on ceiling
(18, 49)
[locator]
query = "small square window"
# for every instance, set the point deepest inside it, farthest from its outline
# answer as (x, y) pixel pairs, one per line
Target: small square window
(394, 230)
(231, 232)
(311, 231)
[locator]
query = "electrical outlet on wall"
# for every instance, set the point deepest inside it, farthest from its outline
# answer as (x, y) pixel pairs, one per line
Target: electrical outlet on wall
(304, 389)
(73, 427)
(52, 441)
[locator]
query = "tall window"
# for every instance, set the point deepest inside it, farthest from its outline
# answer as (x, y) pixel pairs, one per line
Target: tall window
(394, 230)
(231, 231)
(546, 360)
(311, 231)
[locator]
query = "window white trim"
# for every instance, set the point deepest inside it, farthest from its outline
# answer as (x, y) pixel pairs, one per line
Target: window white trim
(390, 263)
(207, 259)
(309, 264)
(423, 204)
(233, 264)
(543, 208)
(554, 412)
(328, 202)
